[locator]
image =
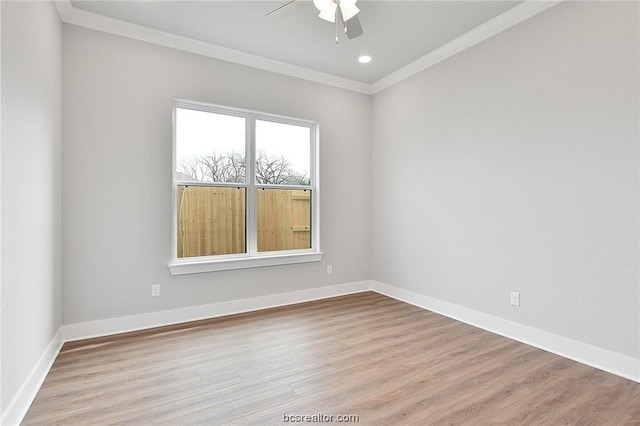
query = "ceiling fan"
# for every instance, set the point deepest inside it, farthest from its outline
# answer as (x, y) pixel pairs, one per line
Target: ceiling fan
(344, 13)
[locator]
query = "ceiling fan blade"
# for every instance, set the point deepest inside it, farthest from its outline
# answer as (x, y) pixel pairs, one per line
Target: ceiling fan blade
(280, 7)
(353, 28)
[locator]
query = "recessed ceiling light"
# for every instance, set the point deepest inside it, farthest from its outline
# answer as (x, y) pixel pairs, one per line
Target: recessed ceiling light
(364, 59)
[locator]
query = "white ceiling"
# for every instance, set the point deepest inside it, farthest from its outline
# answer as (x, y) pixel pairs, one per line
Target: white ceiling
(396, 33)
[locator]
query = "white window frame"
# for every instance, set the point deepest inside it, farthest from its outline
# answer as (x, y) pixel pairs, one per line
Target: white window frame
(252, 258)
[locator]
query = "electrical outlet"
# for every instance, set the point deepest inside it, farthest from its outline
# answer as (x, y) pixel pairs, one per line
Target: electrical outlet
(329, 269)
(155, 290)
(515, 298)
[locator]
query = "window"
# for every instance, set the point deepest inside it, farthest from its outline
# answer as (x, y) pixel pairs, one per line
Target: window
(245, 189)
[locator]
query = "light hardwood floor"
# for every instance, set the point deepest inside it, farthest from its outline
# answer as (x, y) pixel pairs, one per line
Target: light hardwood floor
(365, 355)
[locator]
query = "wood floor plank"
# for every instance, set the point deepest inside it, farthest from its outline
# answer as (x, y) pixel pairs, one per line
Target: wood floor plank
(387, 362)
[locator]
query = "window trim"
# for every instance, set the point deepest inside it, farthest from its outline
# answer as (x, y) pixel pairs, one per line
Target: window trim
(252, 258)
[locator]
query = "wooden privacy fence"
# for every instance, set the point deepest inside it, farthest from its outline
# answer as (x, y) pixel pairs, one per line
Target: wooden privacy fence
(211, 220)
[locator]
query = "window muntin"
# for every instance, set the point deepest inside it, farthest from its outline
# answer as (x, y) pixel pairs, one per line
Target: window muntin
(250, 184)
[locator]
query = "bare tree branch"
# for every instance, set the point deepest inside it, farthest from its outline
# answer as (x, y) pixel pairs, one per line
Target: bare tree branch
(231, 167)
(277, 171)
(193, 168)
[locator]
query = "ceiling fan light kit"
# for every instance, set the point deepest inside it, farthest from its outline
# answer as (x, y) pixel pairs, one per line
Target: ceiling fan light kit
(329, 12)
(322, 4)
(340, 12)
(328, 9)
(349, 12)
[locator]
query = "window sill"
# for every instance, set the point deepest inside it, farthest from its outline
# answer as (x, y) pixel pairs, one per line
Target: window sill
(183, 267)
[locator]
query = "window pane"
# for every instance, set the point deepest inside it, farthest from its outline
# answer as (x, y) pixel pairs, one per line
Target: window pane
(211, 220)
(284, 219)
(282, 153)
(209, 147)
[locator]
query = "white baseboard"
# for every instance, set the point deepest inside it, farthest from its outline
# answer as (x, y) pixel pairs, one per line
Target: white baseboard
(602, 359)
(19, 405)
(110, 326)
(593, 356)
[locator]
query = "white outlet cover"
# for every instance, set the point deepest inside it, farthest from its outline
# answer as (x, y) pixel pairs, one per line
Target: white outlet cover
(515, 298)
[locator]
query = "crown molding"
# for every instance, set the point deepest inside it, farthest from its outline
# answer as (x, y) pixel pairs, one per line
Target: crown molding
(72, 15)
(523, 11)
(502, 22)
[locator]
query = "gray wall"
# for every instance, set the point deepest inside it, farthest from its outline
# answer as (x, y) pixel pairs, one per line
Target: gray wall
(511, 166)
(31, 82)
(117, 99)
(516, 166)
